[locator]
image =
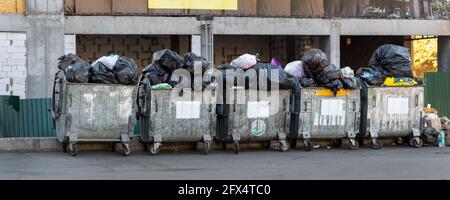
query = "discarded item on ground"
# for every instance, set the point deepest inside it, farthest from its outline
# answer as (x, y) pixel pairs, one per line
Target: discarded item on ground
(78, 72)
(189, 62)
(162, 86)
(100, 73)
(245, 61)
(398, 82)
(346, 72)
(108, 61)
(393, 60)
(441, 139)
(168, 60)
(429, 135)
(155, 74)
(295, 69)
(372, 76)
(314, 61)
(126, 71)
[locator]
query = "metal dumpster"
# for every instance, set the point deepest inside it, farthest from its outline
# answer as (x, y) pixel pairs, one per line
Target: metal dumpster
(392, 112)
(174, 116)
(92, 113)
(259, 117)
(325, 116)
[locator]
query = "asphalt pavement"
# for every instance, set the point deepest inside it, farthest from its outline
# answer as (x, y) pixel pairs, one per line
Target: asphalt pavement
(363, 164)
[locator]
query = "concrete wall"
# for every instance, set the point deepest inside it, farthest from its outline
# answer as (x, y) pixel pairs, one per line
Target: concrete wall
(138, 47)
(44, 44)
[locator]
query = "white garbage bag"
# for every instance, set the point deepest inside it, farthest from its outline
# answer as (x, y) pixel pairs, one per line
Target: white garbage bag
(245, 61)
(295, 69)
(108, 61)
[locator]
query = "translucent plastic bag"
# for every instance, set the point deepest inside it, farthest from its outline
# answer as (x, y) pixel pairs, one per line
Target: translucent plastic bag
(295, 69)
(245, 61)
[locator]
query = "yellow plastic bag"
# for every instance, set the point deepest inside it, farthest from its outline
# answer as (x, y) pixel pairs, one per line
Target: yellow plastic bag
(398, 82)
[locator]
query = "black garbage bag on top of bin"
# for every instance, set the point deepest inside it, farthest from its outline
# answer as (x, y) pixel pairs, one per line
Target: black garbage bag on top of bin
(168, 60)
(350, 83)
(373, 76)
(99, 73)
(189, 62)
(76, 69)
(155, 74)
(270, 70)
(328, 74)
(393, 60)
(314, 61)
(126, 71)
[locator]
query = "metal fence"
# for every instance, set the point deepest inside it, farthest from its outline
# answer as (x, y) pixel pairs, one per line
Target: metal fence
(436, 92)
(25, 117)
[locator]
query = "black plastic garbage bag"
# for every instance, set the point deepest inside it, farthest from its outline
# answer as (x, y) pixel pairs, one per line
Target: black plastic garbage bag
(78, 72)
(156, 74)
(307, 82)
(168, 60)
(270, 70)
(100, 73)
(334, 86)
(350, 83)
(189, 62)
(394, 60)
(328, 74)
(372, 76)
(66, 60)
(315, 60)
(126, 71)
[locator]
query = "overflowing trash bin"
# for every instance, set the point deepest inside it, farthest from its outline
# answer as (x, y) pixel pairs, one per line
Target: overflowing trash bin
(171, 106)
(392, 97)
(92, 112)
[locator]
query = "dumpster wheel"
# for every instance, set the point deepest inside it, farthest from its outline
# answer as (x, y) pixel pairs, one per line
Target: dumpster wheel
(283, 146)
(308, 145)
(399, 141)
(353, 144)
(376, 143)
(416, 142)
(73, 149)
(154, 150)
(126, 151)
(236, 147)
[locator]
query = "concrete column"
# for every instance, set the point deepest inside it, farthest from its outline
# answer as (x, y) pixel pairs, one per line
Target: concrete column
(444, 53)
(45, 44)
(335, 44)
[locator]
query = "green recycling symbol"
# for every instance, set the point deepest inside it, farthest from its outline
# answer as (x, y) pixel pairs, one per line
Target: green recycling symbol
(258, 128)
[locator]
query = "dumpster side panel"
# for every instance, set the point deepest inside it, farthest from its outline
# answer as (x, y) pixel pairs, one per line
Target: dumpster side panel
(99, 111)
(394, 111)
(259, 128)
(325, 117)
(180, 119)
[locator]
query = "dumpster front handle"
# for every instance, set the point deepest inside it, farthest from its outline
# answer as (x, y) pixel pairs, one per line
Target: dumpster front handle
(374, 101)
(417, 100)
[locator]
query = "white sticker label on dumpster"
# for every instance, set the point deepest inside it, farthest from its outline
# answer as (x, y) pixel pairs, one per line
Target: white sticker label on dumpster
(258, 109)
(331, 107)
(188, 109)
(398, 106)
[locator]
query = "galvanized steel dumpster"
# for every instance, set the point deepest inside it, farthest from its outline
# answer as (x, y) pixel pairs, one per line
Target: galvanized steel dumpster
(325, 116)
(392, 112)
(92, 113)
(178, 115)
(261, 116)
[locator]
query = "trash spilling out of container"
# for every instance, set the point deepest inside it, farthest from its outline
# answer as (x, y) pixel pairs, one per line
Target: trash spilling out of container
(327, 105)
(94, 103)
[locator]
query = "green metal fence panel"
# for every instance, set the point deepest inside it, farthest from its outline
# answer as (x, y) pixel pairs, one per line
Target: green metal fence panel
(25, 117)
(437, 92)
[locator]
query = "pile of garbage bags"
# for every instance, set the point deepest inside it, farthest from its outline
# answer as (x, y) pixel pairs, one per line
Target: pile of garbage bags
(315, 71)
(163, 70)
(388, 61)
(113, 69)
(255, 74)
